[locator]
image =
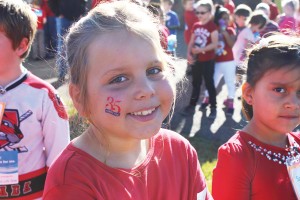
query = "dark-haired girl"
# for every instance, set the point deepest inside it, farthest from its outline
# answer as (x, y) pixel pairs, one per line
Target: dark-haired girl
(225, 65)
(261, 161)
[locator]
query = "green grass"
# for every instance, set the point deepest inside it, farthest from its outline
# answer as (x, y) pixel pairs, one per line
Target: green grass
(207, 153)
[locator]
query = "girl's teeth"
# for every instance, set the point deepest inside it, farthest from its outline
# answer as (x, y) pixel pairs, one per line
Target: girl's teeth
(145, 112)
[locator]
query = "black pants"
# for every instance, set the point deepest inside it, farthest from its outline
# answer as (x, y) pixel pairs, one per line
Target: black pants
(206, 70)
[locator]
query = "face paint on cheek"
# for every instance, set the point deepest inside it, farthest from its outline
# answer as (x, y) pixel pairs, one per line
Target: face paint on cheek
(112, 106)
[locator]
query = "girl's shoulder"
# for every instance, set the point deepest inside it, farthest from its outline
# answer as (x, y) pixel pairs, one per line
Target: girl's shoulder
(168, 139)
(237, 144)
(236, 152)
(71, 158)
(170, 136)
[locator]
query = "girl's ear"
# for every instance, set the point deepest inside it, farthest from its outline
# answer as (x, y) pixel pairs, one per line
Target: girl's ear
(74, 92)
(247, 93)
(23, 47)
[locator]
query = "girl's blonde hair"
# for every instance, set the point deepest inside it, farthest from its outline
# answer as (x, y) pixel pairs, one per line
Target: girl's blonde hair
(102, 20)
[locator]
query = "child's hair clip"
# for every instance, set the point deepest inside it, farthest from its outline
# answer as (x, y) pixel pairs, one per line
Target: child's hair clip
(262, 43)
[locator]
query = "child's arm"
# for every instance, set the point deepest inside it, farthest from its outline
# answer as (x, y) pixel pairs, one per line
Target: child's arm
(189, 49)
(231, 177)
(229, 37)
(55, 127)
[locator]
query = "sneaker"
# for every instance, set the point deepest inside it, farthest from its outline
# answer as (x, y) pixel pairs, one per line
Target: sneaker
(229, 108)
(212, 114)
(61, 79)
(204, 103)
(225, 102)
(188, 110)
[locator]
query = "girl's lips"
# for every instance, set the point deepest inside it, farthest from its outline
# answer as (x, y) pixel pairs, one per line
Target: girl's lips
(290, 116)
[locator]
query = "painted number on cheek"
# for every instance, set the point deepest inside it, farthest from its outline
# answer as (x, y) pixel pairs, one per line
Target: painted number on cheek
(112, 106)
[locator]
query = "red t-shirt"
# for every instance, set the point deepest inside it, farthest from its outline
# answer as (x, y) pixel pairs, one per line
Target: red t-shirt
(273, 11)
(202, 33)
(224, 51)
(242, 172)
(189, 19)
(230, 6)
(46, 8)
(171, 171)
(164, 33)
(41, 16)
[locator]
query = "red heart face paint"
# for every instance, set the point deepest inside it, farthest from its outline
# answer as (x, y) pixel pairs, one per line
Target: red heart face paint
(112, 106)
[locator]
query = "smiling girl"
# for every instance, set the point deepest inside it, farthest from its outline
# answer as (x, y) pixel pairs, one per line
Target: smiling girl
(254, 163)
(122, 82)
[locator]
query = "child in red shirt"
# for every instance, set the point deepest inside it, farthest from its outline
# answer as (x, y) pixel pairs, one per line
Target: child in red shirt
(190, 18)
(38, 45)
(253, 163)
(229, 5)
(274, 11)
(201, 52)
(123, 82)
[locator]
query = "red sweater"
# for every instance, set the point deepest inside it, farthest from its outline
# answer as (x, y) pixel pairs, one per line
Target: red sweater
(202, 33)
(171, 171)
(243, 173)
(189, 19)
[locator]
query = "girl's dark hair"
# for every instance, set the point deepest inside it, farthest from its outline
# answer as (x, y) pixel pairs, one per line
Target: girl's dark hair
(258, 18)
(243, 10)
(276, 51)
(220, 11)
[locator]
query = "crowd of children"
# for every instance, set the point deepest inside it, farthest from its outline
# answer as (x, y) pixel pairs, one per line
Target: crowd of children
(240, 28)
(124, 152)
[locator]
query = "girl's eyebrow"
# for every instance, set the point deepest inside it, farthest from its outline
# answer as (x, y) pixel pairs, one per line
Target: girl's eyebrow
(115, 71)
(289, 82)
(156, 62)
(123, 68)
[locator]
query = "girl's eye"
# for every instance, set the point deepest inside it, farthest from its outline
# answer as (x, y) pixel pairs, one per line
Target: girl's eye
(154, 70)
(118, 79)
(280, 90)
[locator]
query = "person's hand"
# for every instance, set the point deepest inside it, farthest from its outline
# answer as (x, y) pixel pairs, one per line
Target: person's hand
(190, 58)
(197, 50)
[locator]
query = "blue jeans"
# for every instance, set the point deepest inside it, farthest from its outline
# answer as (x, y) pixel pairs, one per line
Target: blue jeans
(62, 26)
(50, 35)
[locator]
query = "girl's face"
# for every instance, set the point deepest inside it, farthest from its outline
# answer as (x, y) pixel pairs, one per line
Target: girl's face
(225, 17)
(241, 21)
(276, 101)
(203, 13)
(166, 6)
(129, 93)
(189, 5)
(288, 10)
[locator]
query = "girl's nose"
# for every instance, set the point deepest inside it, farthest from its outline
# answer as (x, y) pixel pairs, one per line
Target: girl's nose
(144, 88)
(293, 102)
